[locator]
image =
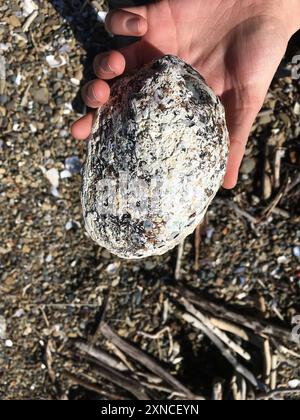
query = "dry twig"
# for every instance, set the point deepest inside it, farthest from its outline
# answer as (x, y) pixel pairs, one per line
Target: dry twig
(180, 250)
(144, 359)
(219, 344)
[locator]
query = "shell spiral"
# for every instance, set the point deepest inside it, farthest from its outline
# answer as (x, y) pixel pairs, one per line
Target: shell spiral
(156, 158)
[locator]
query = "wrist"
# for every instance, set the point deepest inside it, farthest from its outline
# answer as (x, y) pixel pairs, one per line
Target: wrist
(292, 21)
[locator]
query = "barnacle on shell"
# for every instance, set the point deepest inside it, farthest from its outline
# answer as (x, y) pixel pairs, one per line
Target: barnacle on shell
(156, 158)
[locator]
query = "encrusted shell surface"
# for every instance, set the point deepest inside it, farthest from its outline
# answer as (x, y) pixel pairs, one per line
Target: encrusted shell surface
(156, 158)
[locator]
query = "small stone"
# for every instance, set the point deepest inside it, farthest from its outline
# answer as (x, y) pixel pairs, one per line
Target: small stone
(14, 21)
(73, 164)
(4, 47)
(18, 79)
(53, 177)
(28, 6)
(49, 258)
(248, 166)
(112, 269)
(8, 343)
(115, 282)
(285, 118)
(40, 95)
(19, 313)
(296, 251)
(105, 254)
(209, 233)
(149, 265)
(265, 117)
(101, 16)
(54, 191)
(75, 82)
(282, 260)
(294, 383)
(297, 108)
(27, 331)
(69, 225)
(65, 174)
(56, 62)
(26, 249)
(3, 99)
(3, 112)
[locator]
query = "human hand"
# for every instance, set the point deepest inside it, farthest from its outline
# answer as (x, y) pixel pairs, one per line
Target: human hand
(236, 45)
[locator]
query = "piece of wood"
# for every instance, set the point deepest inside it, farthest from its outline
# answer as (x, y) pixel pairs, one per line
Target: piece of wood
(234, 329)
(267, 361)
(279, 155)
(75, 380)
(104, 310)
(144, 359)
(100, 355)
(180, 250)
(49, 361)
(259, 326)
(217, 394)
(120, 379)
(222, 336)
(274, 367)
(227, 354)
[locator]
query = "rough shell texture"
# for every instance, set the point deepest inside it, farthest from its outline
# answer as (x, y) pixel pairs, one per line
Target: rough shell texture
(157, 157)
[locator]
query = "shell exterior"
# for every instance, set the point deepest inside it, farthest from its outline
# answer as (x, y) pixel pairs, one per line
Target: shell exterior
(156, 158)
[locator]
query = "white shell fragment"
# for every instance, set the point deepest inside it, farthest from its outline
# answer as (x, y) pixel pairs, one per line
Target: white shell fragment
(56, 61)
(157, 157)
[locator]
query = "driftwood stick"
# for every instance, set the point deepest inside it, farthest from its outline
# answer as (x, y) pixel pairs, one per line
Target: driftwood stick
(243, 386)
(180, 250)
(119, 379)
(234, 329)
(273, 378)
(267, 174)
(161, 388)
(91, 386)
(220, 334)
(284, 350)
(144, 359)
(243, 213)
(49, 361)
(288, 186)
(101, 355)
(279, 155)
(229, 356)
(259, 326)
(267, 361)
(235, 389)
(239, 388)
(217, 394)
(121, 356)
(104, 309)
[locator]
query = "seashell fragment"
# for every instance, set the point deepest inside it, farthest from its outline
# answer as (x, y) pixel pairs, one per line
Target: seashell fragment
(156, 158)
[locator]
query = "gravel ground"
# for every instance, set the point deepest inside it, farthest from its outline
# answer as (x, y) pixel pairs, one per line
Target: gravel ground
(53, 279)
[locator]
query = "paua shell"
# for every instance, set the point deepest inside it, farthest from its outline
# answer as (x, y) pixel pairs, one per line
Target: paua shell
(156, 158)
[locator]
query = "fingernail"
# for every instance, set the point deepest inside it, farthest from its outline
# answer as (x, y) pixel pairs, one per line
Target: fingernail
(133, 25)
(105, 66)
(91, 93)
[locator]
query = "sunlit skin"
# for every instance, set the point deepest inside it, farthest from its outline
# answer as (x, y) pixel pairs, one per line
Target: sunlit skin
(236, 45)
